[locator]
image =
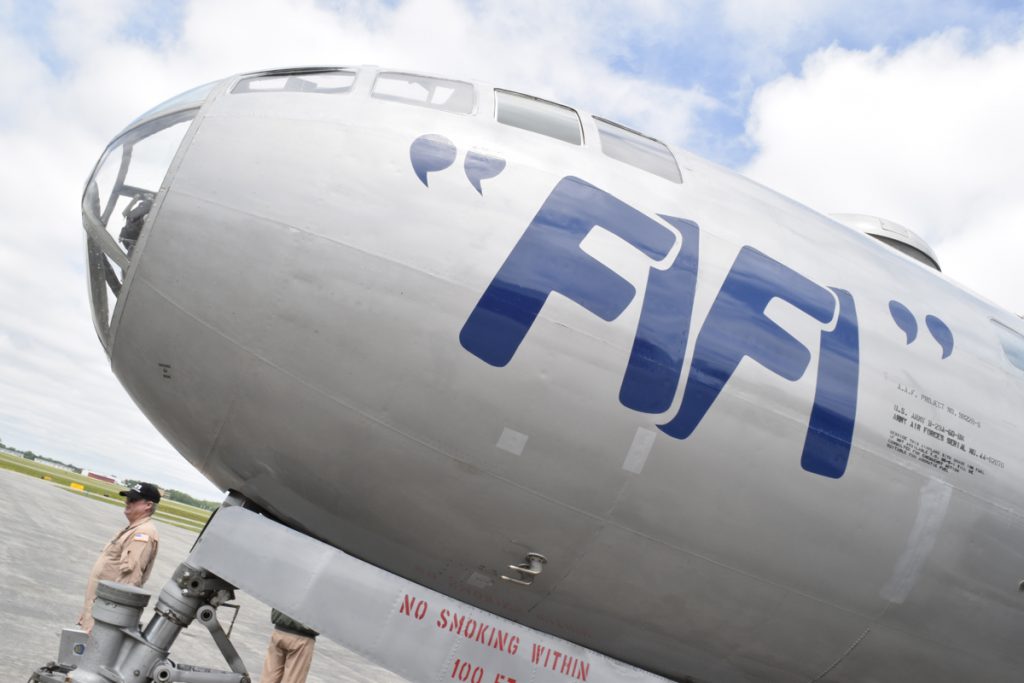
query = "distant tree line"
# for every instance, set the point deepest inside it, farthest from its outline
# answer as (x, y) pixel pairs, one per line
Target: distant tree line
(179, 496)
(29, 455)
(74, 468)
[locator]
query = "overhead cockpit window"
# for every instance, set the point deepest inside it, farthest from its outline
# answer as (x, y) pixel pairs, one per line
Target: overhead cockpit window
(1012, 343)
(327, 82)
(636, 149)
(537, 115)
(190, 99)
(437, 93)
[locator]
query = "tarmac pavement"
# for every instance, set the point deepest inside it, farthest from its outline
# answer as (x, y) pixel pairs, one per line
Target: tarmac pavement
(49, 539)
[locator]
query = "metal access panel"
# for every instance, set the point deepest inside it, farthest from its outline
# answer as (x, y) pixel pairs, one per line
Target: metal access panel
(72, 647)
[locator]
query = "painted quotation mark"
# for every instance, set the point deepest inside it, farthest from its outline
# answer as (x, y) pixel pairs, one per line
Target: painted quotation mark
(432, 153)
(906, 321)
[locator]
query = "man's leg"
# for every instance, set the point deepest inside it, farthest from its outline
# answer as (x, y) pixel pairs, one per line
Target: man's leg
(300, 656)
(273, 663)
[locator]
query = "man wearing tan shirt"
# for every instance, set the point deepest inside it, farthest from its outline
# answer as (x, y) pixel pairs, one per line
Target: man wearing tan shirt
(130, 555)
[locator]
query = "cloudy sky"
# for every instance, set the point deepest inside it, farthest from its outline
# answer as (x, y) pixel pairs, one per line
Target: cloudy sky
(909, 110)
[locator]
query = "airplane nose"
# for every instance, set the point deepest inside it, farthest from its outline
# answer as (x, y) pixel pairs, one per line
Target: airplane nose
(122, 195)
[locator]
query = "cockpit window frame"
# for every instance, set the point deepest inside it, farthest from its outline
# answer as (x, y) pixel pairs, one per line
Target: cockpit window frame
(291, 76)
(103, 252)
(382, 76)
(95, 223)
(189, 100)
(538, 130)
(627, 151)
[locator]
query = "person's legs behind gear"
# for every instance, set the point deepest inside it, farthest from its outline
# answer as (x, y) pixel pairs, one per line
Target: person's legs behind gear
(298, 659)
(273, 663)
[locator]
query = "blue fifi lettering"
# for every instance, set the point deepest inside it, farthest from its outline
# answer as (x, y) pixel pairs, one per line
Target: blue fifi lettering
(656, 361)
(548, 258)
(737, 327)
(830, 431)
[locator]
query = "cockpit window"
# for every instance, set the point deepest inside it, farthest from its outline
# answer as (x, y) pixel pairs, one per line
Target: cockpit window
(537, 115)
(190, 99)
(1012, 343)
(129, 176)
(437, 93)
(636, 149)
(118, 199)
(327, 82)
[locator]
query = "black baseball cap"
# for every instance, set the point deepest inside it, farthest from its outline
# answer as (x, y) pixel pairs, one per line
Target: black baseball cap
(142, 491)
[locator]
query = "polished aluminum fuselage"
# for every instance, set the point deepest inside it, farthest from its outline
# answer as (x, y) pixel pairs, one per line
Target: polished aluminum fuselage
(291, 323)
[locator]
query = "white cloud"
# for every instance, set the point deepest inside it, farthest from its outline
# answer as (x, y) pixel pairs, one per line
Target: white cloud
(929, 137)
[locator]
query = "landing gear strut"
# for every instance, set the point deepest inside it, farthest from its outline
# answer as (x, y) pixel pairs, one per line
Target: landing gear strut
(120, 651)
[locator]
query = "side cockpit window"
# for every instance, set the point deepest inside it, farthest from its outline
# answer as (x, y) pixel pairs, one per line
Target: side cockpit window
(537, 115)
(323, 82)
(633, 148)
(456, 97)
(1012, 343)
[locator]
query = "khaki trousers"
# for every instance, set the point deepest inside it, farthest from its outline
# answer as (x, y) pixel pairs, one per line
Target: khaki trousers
(288, 658)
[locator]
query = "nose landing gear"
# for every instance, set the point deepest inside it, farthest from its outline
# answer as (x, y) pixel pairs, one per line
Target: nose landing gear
(119, 650)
